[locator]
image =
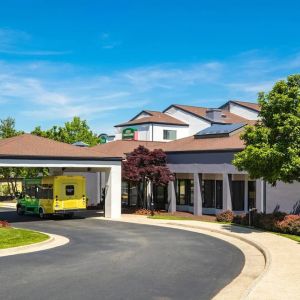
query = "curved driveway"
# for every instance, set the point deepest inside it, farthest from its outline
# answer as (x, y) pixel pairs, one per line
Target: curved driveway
(111, 260)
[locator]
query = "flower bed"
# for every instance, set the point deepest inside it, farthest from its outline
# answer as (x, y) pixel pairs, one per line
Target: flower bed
(277, 221)
(4, 224)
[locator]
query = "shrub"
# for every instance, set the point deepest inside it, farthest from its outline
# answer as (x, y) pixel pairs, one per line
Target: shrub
(225, 216)
(4, 224)
(241, 219)
(290, 224)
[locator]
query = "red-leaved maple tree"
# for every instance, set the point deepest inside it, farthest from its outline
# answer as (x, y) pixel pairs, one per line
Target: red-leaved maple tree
(145, 166)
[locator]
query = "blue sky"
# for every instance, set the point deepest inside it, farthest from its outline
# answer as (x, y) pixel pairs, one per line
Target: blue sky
(107, 60)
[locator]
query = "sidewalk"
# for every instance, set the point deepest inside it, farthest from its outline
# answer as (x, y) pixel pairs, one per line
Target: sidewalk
(280, 276)
(8, 204)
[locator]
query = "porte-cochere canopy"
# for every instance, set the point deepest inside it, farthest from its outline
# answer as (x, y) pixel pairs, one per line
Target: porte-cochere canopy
(32, 151)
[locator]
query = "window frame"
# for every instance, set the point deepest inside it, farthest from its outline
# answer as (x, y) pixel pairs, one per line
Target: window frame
(166, 133)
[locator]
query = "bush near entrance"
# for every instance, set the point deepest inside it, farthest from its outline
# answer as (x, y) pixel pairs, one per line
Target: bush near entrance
(277, 221)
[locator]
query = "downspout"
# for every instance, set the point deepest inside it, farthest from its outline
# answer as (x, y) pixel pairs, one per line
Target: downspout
(152, 132)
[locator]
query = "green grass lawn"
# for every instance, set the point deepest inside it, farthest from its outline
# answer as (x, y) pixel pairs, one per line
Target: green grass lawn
(13, 237)
(289, 236)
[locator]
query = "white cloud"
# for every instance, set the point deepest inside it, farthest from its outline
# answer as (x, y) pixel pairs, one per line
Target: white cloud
(17, 42)
(42, 91)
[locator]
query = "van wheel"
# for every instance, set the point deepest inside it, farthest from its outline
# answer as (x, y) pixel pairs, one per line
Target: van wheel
(41, 214)
(20, 211)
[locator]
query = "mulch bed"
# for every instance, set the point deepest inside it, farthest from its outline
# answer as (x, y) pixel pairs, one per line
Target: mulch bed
(147, 212)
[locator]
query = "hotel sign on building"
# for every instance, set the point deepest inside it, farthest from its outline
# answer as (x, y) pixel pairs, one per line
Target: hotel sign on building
(129, 134)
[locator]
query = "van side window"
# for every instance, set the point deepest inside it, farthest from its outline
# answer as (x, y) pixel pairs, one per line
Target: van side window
(70, 190)
(46, 191)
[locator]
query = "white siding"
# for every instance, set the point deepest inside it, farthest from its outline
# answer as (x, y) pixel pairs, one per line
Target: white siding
(195, 124)
(144, 132)
(283, 197)
(158, 132)
(242, 111)
(142, 115)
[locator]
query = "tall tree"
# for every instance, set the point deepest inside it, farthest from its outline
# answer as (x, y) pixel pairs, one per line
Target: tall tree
(7, 128)
(273, 145)
(145, 166)
(74, 131)
(9, 174)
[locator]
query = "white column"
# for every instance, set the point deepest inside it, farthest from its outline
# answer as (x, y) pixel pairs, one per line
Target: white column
(172, 197)
(113, 193)
(260, 195)
(197, 196)
(246, 195)
(227, 204)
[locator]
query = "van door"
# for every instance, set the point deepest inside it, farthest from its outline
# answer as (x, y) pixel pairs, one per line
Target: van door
(70, 196)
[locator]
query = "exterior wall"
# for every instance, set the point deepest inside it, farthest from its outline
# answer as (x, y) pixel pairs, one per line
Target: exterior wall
(243, 111)
(92, 186)
(283, 197)
(144, 132)
(142, 115)
(158, 132)
(195, 124)
(206, 158)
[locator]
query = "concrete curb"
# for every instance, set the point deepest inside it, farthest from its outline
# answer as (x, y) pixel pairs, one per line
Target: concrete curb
(265, 252)
(53, 242)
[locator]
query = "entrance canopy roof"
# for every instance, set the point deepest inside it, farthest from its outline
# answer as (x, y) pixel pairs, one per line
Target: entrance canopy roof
(28, 150)
(34, 147)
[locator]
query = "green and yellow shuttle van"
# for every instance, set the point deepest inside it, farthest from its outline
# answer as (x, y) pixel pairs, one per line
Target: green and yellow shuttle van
(52, 195)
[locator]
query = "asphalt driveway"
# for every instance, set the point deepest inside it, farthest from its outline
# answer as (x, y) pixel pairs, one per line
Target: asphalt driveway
(111, 260)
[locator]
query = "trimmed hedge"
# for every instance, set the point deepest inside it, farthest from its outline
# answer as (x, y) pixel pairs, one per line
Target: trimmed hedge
(277, 221)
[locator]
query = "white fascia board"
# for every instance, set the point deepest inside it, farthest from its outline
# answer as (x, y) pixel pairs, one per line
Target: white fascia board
(30, 163)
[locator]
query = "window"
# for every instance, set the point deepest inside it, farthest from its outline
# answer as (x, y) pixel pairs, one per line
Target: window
(160, 196)
(185, 192)
(170, 135)
(209, 194)
(45, 191)
(251, 194)
(238, 194)
(213, 194)
(70, 190)
(125, 193)
(219, 194)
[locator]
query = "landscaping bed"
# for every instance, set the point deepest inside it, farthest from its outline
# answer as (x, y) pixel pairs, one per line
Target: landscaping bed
(287, 225)
(14, 237)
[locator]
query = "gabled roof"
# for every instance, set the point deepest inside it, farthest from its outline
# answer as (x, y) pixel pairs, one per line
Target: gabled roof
(200, 112)
(121, 147)
(192, 144)
(250, 105)
(35, 147)
(155, 117)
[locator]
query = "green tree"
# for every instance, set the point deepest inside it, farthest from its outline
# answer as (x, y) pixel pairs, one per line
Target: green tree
(7, 128)
(74, 131)
(273, 145)
(9, 174)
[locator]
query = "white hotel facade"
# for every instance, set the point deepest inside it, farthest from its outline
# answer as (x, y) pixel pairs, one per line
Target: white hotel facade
(200, 144)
